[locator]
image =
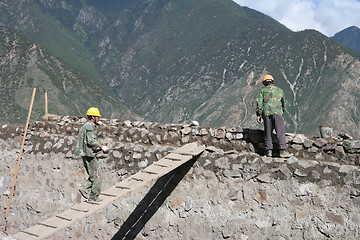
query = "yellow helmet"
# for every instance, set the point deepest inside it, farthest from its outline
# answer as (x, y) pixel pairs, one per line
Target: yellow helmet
(268, 77)
(93, 112)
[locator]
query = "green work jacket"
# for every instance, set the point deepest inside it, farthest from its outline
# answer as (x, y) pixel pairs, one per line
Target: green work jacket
(87, 144)
(270, 101)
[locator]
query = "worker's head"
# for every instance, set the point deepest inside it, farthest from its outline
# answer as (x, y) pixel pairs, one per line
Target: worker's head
(268, 79)
(93, 114)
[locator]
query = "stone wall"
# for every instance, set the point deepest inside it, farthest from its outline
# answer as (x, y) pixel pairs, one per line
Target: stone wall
(230, 192)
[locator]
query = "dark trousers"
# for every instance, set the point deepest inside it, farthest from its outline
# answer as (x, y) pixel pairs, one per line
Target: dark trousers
(274, 122)
(92, 186)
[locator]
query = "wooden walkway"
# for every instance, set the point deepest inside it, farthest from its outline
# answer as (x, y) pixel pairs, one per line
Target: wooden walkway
(60, 221)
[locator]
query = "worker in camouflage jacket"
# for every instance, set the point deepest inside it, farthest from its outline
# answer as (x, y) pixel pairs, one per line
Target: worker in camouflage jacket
(87, 147)
(270, 107)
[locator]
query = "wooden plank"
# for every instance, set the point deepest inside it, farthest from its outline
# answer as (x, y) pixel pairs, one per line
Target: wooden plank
(177, 157)
(190, 149)
(162, 165)
(158, 169)
(55, 221)
(174, 164)
(135, 182)
(47, 225)
(27, 231)
(115, 191)
(70, 215)
(149, 172)
(142, 176)
(38, 230)
(108, 194)
(123, 187)
(137, 179)
(166, 162)
(24, 236)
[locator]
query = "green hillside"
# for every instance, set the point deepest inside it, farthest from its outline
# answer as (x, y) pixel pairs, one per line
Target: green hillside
(25, 66)
(180, 60)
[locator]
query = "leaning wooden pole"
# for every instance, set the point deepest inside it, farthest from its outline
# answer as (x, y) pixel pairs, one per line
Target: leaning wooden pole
(19, 160)
(46, 104)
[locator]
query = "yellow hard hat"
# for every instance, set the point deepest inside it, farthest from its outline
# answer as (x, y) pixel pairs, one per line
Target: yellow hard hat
(93, 112)
(268, 77)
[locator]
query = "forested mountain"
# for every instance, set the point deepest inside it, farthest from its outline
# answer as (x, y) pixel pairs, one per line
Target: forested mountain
(25, 65)
(182, 60)
(349, 37)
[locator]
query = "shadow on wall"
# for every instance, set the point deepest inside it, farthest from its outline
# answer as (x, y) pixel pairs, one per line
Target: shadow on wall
(152, 202)
(256, 138)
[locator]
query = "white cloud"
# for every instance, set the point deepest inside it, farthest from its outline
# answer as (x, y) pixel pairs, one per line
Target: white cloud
(326, 16)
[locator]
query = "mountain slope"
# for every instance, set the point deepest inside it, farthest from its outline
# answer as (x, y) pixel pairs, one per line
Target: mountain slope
(178, 60)
(349, 37)
(25, 65)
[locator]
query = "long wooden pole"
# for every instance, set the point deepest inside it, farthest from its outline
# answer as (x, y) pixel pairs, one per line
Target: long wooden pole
(19, 160)
(46, 104)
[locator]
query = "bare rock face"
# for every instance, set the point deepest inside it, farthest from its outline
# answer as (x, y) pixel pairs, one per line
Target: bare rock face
(229, 192)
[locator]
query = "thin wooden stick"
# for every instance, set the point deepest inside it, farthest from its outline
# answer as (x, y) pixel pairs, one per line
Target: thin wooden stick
(46, 104)
(19, 159)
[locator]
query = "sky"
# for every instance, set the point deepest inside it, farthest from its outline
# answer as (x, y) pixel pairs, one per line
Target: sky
(325, 16)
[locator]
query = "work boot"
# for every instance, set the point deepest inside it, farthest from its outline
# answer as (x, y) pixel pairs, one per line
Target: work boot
(96, 200)
(269, 153)
(84, 193)
(285, 154)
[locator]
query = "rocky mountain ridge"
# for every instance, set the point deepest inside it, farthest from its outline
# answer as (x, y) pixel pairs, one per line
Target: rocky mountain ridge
(176, 61)
(349, 37)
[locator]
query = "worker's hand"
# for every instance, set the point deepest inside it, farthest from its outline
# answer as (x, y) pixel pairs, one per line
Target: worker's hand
(259, 119)
(104, 148)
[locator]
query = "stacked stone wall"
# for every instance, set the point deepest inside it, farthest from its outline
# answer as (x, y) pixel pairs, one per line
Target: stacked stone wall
(230, 192)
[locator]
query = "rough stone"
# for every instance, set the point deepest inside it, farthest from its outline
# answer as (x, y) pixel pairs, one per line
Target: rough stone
(266, 178)
(299, 138)
(320, 142)
(286, 171)
(308, 143)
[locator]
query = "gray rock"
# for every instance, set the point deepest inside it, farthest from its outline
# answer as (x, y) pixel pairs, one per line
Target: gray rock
(220, 133)
(194, 123)
(320, 142)
(263, 224)
(127, 123)
(308, 143)
(307, 163)
(194, 132)
(349, 168)
(185, 131)
(292, 160)
(351, 146)
(306, 189)
(266, 159)
(229, 136)
(266, 178)
(300, 173)
(203, 132)
(222, 163)
(329, 147)
(286, 171)
(299, 138)
(313, 149)
(297, 147)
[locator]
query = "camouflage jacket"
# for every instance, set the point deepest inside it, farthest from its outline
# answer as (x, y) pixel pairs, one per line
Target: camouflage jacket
(87, 143)
(270, 101)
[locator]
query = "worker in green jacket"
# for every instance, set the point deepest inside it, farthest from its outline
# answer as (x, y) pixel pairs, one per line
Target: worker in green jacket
(87, 147)
(270, 107)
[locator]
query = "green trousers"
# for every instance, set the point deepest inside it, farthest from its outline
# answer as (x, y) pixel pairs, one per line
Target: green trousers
(92, 186)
